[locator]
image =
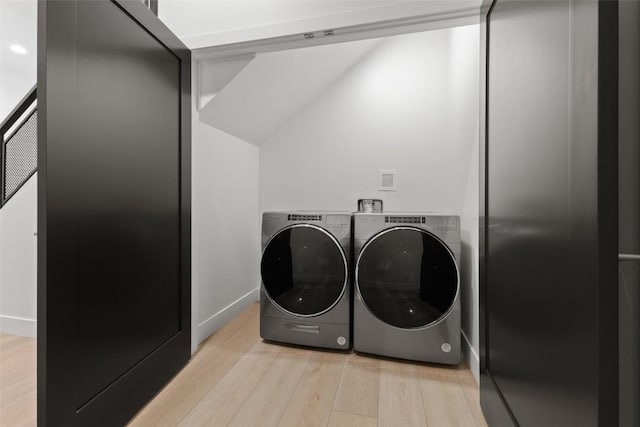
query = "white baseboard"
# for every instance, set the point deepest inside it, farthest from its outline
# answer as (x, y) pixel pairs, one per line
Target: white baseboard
(219, 319)
(18, 326)
(471, 355)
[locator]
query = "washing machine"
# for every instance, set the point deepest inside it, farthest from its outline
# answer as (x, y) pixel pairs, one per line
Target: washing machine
(305, 293)
(407, 286)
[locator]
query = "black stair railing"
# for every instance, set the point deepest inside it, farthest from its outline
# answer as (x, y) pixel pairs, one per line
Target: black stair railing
(18, 147)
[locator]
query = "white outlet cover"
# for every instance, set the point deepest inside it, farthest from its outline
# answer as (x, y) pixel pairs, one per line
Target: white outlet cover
(387, 179)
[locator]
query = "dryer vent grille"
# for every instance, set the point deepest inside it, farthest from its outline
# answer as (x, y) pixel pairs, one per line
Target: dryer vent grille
(405, 219)
(297, 217)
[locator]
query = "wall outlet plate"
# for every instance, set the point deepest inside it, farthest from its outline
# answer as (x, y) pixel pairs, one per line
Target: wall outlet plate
(387, 179)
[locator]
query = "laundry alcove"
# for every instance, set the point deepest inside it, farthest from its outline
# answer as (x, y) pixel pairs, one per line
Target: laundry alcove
(312, 128)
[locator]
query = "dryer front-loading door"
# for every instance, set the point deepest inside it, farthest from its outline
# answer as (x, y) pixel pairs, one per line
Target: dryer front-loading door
(304, 270)
(407, 277)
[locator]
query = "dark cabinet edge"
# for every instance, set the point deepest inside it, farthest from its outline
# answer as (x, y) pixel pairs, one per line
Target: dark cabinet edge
(493, 405)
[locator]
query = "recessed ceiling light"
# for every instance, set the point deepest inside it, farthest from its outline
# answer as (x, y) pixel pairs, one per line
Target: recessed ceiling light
(18, 49)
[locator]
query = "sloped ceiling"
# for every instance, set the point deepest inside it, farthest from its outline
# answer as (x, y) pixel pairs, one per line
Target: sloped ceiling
(214, 75)
(274, 86)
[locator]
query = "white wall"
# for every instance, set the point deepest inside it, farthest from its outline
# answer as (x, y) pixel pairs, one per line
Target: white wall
(18, 25)
(410, 105)
(18, 253)
(225, 228)
(465, 89)
(18, 261)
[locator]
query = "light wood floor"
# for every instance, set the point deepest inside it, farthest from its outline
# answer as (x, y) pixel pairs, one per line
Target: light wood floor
(236, 379)
(17, 381)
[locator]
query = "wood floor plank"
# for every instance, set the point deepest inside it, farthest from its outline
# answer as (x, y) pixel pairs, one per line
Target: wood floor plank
(18, 362)
(16, 375)
(222, 335)
(14, 343)
(17, 381)
(342, 419)
(267, 346)
(9, 343)
(443, 398)
(13, 391)
(268, 400)
(400, 401)
(472, 395)
(221, 403)
(313, 399)
(21, 414)
(204, 371)
(359, 386)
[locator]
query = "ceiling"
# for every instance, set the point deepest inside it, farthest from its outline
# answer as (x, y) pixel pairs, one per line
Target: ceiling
(203, 23)
(206, 23)
(195, 17)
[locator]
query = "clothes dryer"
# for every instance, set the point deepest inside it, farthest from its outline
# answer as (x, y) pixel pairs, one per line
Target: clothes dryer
(407, 286)
(305, 292)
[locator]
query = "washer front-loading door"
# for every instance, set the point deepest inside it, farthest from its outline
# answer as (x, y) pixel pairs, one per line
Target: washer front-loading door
(304, 270)
(407, 277)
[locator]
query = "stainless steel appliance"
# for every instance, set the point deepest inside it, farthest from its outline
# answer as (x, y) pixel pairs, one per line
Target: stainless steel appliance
(305, 293)
(406, 293)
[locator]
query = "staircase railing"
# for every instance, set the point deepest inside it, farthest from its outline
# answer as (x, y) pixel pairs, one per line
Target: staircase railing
(18, 146)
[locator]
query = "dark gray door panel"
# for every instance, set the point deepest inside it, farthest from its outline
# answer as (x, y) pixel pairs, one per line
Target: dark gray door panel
(629, 213)
(114, 210)
(549, 299)
(630, 343)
